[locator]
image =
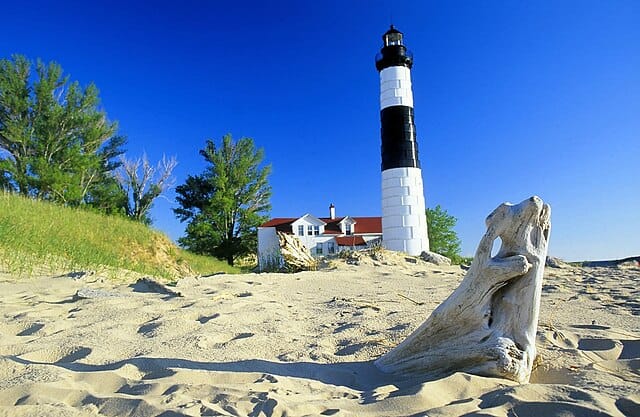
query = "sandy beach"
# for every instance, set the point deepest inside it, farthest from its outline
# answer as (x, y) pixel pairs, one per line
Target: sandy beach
(301, 345)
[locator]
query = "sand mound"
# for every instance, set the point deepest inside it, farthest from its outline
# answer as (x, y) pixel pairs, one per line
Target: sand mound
(301, 345)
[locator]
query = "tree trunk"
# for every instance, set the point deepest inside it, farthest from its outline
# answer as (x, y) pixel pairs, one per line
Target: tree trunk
(230, 247)
(488, 325)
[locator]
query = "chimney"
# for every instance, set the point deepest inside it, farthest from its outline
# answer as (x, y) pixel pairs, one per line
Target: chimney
(332, 211)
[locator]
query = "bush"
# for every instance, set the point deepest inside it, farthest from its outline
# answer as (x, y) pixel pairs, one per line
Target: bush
(442, 238)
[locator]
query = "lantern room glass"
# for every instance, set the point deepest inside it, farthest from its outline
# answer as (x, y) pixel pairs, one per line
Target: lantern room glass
(393, 38)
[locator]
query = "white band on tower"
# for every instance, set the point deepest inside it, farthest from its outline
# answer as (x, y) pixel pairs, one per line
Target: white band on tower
(395, 87)
(404, 221)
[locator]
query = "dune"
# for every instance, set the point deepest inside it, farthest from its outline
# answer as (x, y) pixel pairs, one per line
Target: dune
(301, 345)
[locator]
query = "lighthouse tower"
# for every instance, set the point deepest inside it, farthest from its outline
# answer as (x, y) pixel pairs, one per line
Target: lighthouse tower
(404, 221)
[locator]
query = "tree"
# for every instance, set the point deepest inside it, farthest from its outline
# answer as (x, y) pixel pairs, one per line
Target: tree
(442, 238)
(225, 204)
(55, 143)
(143, 183)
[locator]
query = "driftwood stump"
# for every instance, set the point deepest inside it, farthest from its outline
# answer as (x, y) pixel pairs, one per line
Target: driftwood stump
(488, 325)
(295, 255)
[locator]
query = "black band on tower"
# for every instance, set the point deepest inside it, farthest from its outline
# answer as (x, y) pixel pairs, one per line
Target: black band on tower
(399, 147)
(394, 56)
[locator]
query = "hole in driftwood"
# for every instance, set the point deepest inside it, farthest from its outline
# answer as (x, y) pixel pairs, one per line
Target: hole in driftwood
(497, 244)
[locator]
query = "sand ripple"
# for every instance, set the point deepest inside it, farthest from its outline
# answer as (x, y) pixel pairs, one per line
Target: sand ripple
(301, 345)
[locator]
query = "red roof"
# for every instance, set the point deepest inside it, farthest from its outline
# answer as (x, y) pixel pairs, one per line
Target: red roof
(368, 224)
(350, 241)
(282, 224)
(363, 224)
(278, 221)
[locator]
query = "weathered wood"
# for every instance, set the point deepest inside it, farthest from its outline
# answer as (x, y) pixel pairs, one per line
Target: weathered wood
(295, 255)
(488, 325)
(435, 258)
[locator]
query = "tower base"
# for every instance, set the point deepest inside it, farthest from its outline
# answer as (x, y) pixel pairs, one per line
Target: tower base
(404, 219)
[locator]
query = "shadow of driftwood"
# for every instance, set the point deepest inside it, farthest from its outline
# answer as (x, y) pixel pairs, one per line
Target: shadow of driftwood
(359, 376)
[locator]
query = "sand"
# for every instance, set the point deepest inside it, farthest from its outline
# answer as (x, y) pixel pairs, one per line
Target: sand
(301, 345)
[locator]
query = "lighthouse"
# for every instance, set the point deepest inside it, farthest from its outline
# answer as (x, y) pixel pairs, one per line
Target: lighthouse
(404, 221)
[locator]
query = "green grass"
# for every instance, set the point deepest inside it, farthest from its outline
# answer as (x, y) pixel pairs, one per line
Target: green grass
(206, 265)
(37, 236)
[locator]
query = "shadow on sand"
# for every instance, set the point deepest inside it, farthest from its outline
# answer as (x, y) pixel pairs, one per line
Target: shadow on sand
(359, 376)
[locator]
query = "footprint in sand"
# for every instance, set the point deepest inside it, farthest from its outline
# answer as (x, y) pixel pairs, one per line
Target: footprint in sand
(205, 319)
(629, 406)
(550, 288)
(242, 336)
(130, 371)
(266, 378)
(398, 327)
(136, 389)
(32, 329)
(344, 326)
(244, 294)
(149, 329)
(58, 355)
(604, 349)
(554, 408)
(625, 361)
(20, 329)
(630, 349)
(561, 339)
(350, 349)
(219, 340)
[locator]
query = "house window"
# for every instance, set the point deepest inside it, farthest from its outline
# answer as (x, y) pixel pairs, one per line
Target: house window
(301, 230)
(310, 230)
(347, 229)
(331, 248)
(316, 230)
(319, 249)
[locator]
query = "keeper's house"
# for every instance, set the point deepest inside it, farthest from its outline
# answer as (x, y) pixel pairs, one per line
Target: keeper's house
(321, 235)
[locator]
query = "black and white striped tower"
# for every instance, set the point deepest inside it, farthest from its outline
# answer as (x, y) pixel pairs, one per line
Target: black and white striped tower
(404, 221)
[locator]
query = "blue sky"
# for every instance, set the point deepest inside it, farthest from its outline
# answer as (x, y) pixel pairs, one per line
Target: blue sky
(512, 99)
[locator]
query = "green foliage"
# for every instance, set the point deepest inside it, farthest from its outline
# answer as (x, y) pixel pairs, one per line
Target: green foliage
(55, 143)
(225, 204)
(442, 238)
(40, 237)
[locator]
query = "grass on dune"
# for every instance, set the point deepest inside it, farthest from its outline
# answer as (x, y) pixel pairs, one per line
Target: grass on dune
(36, 235)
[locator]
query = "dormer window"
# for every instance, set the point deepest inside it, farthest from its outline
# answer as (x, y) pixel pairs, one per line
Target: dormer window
(347, 229)
(300, 230)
